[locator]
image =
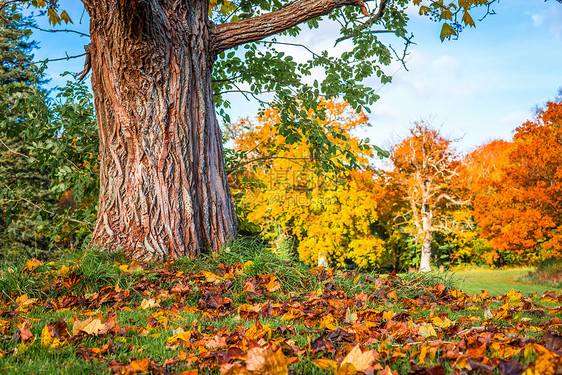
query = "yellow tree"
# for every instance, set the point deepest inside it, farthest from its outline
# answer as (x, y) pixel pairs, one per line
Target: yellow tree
(328, 214)
(425, 167)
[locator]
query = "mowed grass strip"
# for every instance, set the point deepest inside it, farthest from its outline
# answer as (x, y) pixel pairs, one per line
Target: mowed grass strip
(498, 281)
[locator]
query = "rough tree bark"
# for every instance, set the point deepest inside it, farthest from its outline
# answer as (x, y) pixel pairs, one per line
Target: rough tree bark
(164, 191)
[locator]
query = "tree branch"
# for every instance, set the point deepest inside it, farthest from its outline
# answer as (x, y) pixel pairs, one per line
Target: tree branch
(13, 151)
(370, 21)
(28, 24)
(59, 59)
(233, 34)
(86, 223)
(243, 164)
(450, 199)
(5, 4)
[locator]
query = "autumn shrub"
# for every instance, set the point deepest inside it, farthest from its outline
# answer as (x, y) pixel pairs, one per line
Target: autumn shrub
(298, 194)
(519, 209)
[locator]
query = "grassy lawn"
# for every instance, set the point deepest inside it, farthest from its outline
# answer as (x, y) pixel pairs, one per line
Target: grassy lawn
(248, 312)
(497, 281)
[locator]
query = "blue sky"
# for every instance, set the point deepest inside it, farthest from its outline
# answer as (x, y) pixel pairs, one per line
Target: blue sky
(478, 88)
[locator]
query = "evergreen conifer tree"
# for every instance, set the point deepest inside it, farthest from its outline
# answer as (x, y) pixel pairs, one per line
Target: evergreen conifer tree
(23, 189)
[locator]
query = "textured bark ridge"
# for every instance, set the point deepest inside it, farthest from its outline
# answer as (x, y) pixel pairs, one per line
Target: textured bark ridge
(164, 192)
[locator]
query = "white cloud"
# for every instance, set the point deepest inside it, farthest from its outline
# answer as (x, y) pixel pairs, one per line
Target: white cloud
(551, 19)
(538, 19)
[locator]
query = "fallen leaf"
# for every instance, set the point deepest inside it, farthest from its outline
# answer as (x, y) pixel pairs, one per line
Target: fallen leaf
(95, 328)
(140, 365)
(55, 334)
(273, 285)
(24, 303)
(30, 265)
(326, 364)
(149, 303)
(234, 369)
(360, 360)
(392, 295)
(264, 361)
(427, 330)
(553, 341)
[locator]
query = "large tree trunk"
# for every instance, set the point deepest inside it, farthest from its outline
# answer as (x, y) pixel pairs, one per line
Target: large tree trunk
(164, 191)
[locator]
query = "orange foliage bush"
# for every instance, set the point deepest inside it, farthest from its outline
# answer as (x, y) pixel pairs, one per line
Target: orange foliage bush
(519, 206)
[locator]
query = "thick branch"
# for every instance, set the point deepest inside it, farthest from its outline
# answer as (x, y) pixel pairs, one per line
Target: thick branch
(450, 199)
(233, 34)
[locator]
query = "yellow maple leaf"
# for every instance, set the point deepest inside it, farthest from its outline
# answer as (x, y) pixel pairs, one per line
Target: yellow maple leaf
(387, 315)
(24, 302)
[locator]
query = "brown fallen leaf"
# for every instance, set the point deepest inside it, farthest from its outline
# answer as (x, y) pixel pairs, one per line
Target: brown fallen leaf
(417, 370)
(88, 353)
(553, 341)
(25, 334)
(54, 334)
(264, 361)
(26, 337)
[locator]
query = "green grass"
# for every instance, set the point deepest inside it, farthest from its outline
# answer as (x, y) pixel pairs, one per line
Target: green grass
(498, 281)
(324, 297)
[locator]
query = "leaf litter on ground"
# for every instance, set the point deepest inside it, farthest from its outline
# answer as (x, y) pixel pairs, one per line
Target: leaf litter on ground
(231, 319)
